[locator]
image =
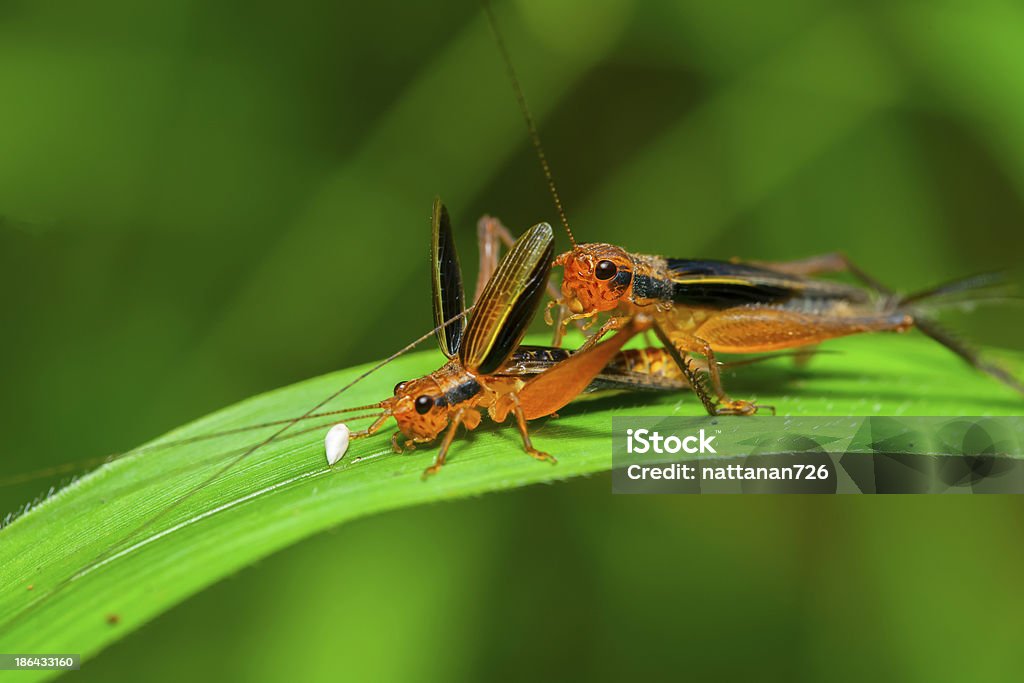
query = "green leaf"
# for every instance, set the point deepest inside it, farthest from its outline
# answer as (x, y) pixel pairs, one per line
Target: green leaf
(132, 539)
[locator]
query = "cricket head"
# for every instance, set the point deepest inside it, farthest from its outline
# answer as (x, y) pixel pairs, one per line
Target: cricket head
(595, 278)
(420, 408)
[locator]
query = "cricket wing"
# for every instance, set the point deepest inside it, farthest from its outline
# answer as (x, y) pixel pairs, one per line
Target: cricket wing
(508, 302)
(446, 283)
(724, 284)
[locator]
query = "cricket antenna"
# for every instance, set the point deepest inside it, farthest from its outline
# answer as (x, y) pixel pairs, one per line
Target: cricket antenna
(119, 549)
(531, 127)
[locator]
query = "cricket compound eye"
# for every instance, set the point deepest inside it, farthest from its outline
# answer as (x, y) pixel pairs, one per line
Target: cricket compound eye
(399, 387)
(424, 404)
(605, 270)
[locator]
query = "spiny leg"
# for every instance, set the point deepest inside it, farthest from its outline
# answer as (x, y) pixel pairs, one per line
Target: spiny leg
(725, 405)
(686, 366)
(445, 444)
(968, 353)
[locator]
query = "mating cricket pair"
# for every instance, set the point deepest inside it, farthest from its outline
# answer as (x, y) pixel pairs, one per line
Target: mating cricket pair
(694, 307)
(487, 369)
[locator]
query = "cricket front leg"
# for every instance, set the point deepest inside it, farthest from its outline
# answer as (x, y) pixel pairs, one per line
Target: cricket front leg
(583, 321)
(616, 323)
(372, 429)
(400, 444)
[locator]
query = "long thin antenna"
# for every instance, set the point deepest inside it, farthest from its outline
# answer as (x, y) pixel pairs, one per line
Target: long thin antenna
(249, 451)
(530, 125)
(107, 555)
(64, 468)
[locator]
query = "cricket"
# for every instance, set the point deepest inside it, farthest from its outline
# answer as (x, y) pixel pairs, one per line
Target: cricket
(477, 350)
(685, 321)
(696, 308)
(708, 307)
(487, 368)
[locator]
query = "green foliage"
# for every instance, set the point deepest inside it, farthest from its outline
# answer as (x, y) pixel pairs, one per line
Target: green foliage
(135, 537)
(200, 201)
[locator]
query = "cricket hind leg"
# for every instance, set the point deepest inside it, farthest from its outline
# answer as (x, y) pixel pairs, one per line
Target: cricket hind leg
(551, 390)
(760, 330)
(821, 264)
(837, 262)
(971, 355)
(772, 329)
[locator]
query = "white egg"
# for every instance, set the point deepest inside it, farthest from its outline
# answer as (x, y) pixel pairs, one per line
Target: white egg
(336, 442)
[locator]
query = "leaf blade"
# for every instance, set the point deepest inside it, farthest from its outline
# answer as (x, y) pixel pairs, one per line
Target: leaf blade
(286, 492)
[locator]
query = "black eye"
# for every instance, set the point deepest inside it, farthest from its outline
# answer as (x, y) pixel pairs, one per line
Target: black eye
(399, 387)
(424, 404)
(605, 270)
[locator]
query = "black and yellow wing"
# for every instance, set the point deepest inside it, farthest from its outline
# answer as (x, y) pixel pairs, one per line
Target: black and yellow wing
(508, 302)
(446, 283)
(724, 284)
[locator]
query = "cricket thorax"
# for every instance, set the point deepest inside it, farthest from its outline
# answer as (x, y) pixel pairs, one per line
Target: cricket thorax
(423, 407)
(652, 282)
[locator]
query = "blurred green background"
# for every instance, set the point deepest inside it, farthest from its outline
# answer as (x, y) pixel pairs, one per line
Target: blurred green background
(203, 200)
